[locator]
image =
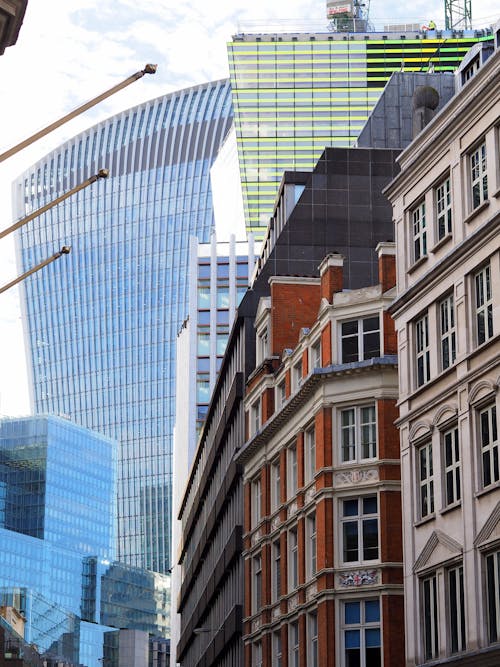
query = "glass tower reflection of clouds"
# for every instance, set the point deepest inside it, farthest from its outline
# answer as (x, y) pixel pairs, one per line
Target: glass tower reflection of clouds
(101, 327)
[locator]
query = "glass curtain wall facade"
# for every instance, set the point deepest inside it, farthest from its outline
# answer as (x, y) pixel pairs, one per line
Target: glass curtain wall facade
(101, 328)
(295, 94)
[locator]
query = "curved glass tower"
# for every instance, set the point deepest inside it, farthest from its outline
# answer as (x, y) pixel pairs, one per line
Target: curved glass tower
(101, 327)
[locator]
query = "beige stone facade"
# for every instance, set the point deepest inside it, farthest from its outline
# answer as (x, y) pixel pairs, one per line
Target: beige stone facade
(446, 204)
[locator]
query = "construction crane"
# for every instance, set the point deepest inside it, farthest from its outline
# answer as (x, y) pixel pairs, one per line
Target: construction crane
(457, 14)
(348, 15)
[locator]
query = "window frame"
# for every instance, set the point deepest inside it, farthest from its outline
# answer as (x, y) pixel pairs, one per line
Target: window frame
(443, 208)
(277, 657)
(492, 598)
(456, 619)
(276, 570)
(312, 639)
(418, 228)
(358, 521)
(354, 429)
(422, 350)
(297, 370)
(483, 312)
(429, 605)
(426, 505)
(293, 558)
(256, 583)
(255, 416)
(452, 467)
(447, 331)
(315, 354)
(477, 160)
(256, 490)
(293, 644)
(490, 447)
(309, 453)
(311, 545)
(363, 627)
(292, 470)
(275, 479)
(359, 335)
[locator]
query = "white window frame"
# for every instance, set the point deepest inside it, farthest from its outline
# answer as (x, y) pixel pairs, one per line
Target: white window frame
(360, 336)
(443, 207)
(315, 355)
(256, 489)
(358, 521)
(418, 232)
(262, 344)
(422, 350)
(492, 601)
(483, 304)
(297, 375)
(478, 169)
(293, 644)
(447, 332)
(312, 639)
(354, 429)
(280, 394)
(256, 584)
(255, 417)
(293, 558)
(275, 484)
(488, 439)
(292, 470)
(425, 482)
(257, 654)
(456, 609)
(361, 628)
(311, 545)
(277, 658)
(430, 616)
(309, 454)
(452, 486)
(276, 570)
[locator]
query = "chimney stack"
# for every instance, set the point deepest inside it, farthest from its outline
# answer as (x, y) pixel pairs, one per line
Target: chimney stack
(331, 272)
(386, 264)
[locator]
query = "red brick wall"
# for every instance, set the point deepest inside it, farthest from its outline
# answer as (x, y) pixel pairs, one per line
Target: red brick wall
(331, 281)
(326, 634)
(265, 507)
(323, 425)
(324, 533)
(390, 336)
(391, 545)
(293, 306)
(388, 434)
(247, 507)
(248, 587)
(300, 459)
(267, 404)
(393, 631)
(326, 345)
(387, 271)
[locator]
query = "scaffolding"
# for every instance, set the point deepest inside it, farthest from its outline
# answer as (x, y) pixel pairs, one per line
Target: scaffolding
(458, 15)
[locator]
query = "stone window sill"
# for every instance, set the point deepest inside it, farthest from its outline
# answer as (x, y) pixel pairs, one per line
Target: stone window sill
(476, 211)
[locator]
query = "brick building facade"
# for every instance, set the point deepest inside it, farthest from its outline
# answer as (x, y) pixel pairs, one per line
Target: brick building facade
(322, 498)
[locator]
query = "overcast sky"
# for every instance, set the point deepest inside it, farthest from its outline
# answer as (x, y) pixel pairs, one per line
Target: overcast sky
(70, 50)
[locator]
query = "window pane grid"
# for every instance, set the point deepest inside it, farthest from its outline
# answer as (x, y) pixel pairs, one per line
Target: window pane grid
(426, 480)
(360, 529)
(479, 177)
(358, 426)
(452, 466)
(443, 208)
(419, 232)
(448, 334)
(489, 445)
(423, 350)
(484, 305)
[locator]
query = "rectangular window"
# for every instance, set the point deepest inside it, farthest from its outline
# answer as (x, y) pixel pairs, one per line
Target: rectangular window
(257, 584)
(419, 232)
(448, 334)
(256, 502)
(484, 305)
(360, 529)
(255, 417)
(452, 466)
(358, 427)
(312, 639)
(293, 640)
(423, 350)
(443, 208)
(276, 570)
(493, 596)
(280, 395)
(257, 654)
(277, 651)
(479, 177)
(360, 339)
(489, 445)
(292, 470)
(311, 545)
(430, 611)
(297, 375)
(310, 454)
(426, 480)
(316, 354)
(263, 346)
(361, 633)
(293, 560)
(275, 485)
(456, 609)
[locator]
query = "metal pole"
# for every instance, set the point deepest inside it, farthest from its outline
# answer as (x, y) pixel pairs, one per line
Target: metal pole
(102, 173)
(65, 250)
(149, 69)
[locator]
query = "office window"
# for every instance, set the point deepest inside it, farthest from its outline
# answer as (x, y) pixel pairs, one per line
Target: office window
(452, 466)
(456, 609)
(423, 350)
(360, 339)
(291, 470)
(293, 641)
(275, 485)
(443, 208)
(493, 595)
(255, 417)
(489, 445)
(361, 633)
(479, 177)
(312, 640)
(484, 305)
(316, 354)
(277, 659)
(310, 454)
(256, 502)
(358, 438)
(419, 232)
(257, 584)
(293, 560)
(426, 480)
(430, 614)
(276, 571)
(448, 334)
(311, 545)
(360, 529)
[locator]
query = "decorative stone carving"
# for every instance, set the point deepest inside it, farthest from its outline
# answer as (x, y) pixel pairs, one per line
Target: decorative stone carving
(256, 536)
(255, 624)
(275, 522)
(293, 602)
(310, 493)
(276, 613)
(356, 476)
(358, 578)
(292, 509)
(311, 591)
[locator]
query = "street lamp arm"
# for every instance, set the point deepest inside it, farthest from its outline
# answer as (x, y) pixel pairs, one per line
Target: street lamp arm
(102, 173)
(65, 250)
(149, 69)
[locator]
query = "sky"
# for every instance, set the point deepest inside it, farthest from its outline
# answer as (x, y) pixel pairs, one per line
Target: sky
(68, 51)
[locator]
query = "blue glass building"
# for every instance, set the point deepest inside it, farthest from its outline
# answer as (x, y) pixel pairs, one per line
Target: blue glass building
(101, 327)
(57, 537)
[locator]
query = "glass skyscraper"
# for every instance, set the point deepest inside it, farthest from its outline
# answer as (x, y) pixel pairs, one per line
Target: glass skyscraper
(294, 94)
(101, 327)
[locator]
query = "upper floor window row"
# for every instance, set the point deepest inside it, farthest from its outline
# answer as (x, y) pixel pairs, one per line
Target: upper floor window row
(360, 339)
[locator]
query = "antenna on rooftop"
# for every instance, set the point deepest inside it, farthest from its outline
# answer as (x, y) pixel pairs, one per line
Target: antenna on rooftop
(458, 14)
(348, 15)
